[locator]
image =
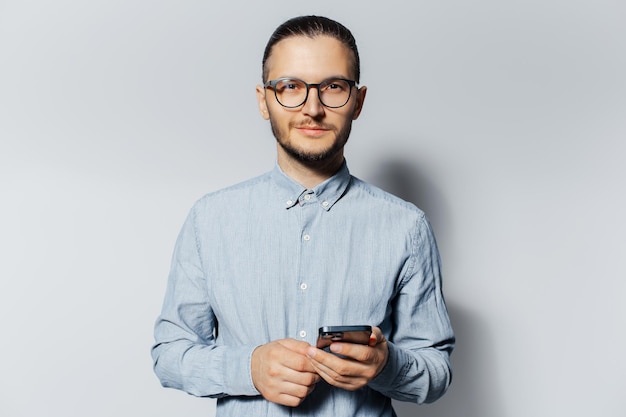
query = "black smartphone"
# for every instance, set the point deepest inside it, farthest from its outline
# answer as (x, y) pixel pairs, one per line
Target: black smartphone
(349, 334)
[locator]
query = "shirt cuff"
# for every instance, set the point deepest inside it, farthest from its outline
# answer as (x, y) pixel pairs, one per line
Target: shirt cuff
(395, 362)
(237, 371)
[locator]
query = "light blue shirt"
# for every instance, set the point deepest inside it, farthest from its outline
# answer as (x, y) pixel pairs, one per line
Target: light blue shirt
(268, 259)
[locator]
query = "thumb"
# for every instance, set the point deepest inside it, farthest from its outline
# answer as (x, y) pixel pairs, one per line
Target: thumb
(376, 337)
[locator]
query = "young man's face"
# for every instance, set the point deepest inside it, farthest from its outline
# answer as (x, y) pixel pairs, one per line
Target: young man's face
(310, 132)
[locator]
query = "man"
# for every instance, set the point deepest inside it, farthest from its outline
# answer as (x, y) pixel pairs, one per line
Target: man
(258, 267)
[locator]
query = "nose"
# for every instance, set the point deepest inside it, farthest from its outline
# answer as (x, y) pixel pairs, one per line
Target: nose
(313, 107)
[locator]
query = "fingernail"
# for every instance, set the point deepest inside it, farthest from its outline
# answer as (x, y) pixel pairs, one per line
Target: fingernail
(335, 348)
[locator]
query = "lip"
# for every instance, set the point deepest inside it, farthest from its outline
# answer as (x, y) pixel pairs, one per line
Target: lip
(312, 130)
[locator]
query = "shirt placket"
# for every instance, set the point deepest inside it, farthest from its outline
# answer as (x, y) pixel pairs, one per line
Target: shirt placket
(308, 239)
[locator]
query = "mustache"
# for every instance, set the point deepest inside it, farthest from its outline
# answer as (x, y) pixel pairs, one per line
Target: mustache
(310, 123)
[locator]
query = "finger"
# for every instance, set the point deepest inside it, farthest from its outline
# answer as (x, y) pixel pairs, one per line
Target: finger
(293, 397)
(293, 355)
(297, 346)
(338, 379)
(302, 378)
(296, 389)
(335, 366)
(357, 352)
(357, 366)
(376, 337)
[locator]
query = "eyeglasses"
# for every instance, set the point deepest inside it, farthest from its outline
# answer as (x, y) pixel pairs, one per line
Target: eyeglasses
(293, 92)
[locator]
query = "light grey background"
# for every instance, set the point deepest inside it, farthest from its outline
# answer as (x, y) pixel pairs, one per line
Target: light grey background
(504, 121)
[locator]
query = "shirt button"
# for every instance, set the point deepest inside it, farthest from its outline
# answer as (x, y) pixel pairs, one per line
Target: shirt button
(289, 202)
(303, 286)
(306, 237)
(307, 197)
(325, 204)
(302, 334)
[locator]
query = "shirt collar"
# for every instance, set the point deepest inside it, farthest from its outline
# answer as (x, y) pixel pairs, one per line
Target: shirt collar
(326, 194)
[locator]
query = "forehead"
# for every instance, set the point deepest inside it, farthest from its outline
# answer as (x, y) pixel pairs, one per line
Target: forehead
(311, 59)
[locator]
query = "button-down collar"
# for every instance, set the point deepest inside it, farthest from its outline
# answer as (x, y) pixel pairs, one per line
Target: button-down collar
(326, 194)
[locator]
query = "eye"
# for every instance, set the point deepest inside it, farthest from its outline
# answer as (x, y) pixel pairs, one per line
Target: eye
(289, 85)
(335, 86)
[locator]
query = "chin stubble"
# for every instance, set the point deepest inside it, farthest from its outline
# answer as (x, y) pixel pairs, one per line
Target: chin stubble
(308, 157)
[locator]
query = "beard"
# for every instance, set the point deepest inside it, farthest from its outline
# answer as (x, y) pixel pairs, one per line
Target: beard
(302, 154)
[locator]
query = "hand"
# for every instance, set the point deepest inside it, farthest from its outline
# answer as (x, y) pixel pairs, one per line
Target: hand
(358, 366)
(282, 373)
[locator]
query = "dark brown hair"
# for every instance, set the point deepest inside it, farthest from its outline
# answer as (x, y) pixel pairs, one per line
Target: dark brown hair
(312, 26)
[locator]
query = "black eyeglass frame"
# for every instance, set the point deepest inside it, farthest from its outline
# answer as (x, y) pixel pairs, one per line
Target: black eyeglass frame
(272, 83)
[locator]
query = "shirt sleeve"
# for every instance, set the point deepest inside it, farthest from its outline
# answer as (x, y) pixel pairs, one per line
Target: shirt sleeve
(185, 354)
(421, 338)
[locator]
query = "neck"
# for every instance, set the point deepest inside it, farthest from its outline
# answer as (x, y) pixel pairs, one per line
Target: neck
(309, 174)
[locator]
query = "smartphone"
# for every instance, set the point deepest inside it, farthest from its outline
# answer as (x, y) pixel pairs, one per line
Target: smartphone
(349, 334)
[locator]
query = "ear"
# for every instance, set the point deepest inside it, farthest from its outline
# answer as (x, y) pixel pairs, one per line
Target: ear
(260, 97)
(360, 98)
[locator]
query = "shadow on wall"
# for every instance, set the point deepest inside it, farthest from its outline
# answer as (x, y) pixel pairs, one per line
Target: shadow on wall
(401, 177)
(474, 391)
